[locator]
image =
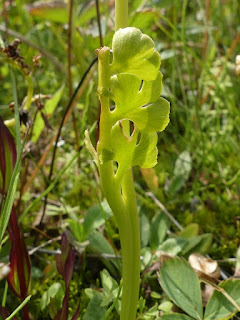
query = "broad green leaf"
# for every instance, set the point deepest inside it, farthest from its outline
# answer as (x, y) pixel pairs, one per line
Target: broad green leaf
(190, 231)
(133, 53)
(175, 316)
(165, 306)
(95, 310)
(173, 246)
(108, 283)
(96, 217)
(77, 230)
(49, 108)
(183, 165)
(219, 307)
(158, 231)
(100, 245)
(55, 290)
(152, 312)
(200, 244)
(111, 289)
(181, 172)
(176, 184)
(181, 284)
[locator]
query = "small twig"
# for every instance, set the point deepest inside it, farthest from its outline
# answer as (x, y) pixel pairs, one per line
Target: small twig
(32, 251)
(47, 251)
(106, 256)
(35, 46)
(161, 206)
(227, 260)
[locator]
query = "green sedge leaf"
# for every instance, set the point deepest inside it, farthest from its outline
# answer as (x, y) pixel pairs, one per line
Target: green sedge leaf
(134, 53)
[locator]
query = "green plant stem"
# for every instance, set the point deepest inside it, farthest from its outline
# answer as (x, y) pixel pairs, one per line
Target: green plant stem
(121, 14)
(21, 306)
(121, 197)
(131, 274)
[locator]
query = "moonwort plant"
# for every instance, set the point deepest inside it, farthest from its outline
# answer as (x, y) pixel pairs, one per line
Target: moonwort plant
(133, 81)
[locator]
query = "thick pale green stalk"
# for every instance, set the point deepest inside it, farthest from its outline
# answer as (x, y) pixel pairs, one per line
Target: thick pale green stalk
(121, 14)
(121, 198)
(131, 274)
(120, 194)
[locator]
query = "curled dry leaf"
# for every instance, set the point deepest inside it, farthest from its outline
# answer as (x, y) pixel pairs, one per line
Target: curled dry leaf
(207, 292)
(208, 269)
(204, 266)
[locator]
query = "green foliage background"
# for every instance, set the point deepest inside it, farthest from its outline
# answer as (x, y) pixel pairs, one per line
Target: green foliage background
(197, 176)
